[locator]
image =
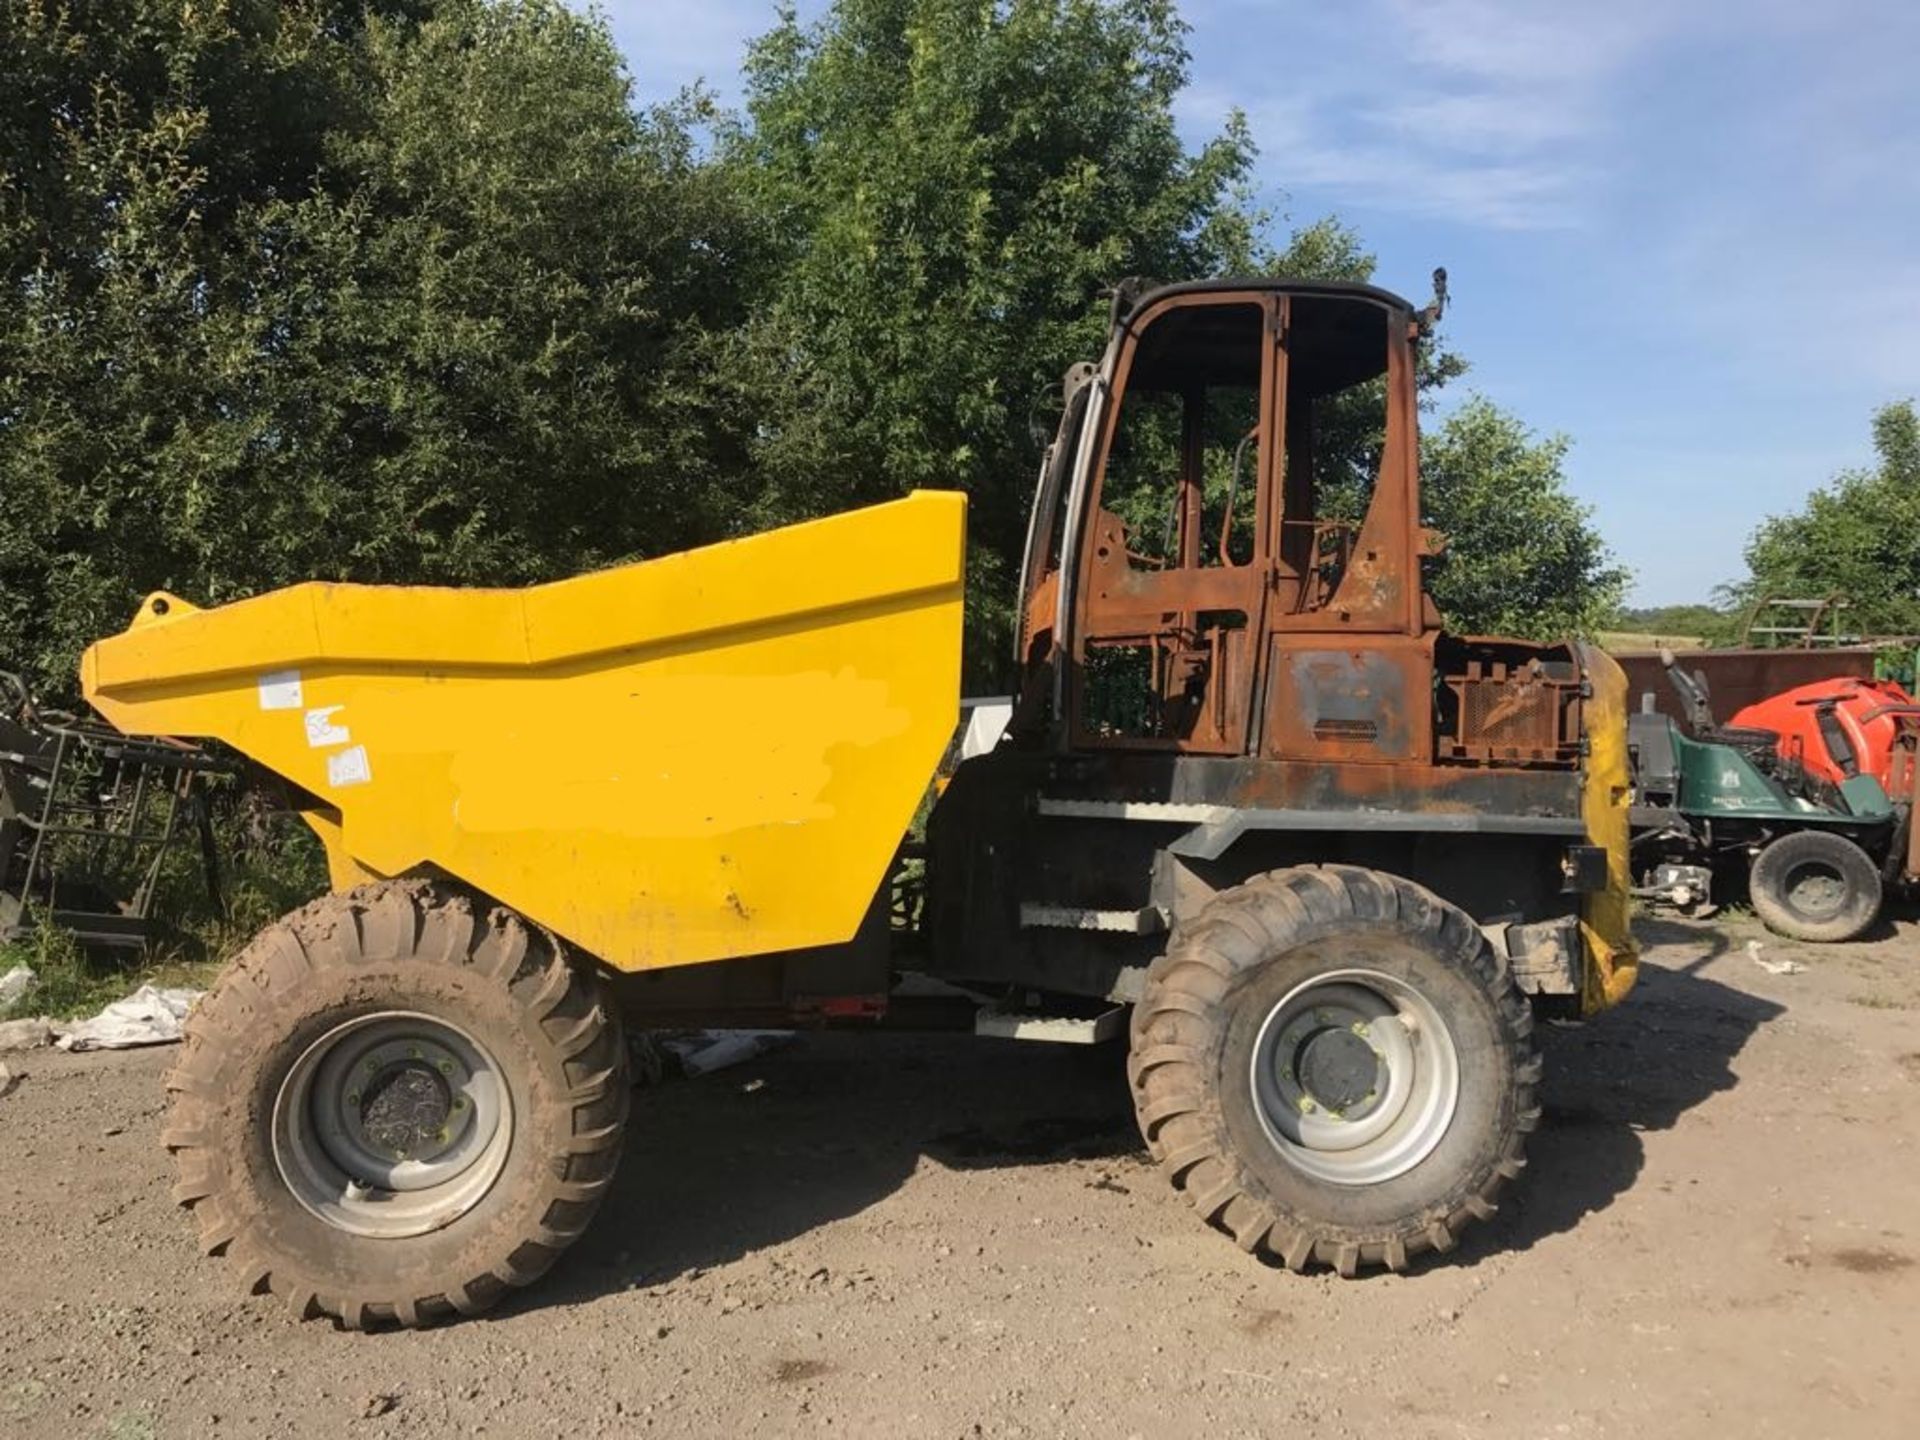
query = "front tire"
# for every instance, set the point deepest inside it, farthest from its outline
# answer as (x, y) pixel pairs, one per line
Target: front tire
(1334, 1068)
(396, 1105)
(1814, 885)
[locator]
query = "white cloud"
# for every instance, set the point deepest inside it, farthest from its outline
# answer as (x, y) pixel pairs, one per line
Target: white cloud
(1524, 44)
(1485, 112)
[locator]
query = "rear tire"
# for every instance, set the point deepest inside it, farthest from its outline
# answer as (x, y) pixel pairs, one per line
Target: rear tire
(1815, 885)
(1278, 1034)
(396, 1105)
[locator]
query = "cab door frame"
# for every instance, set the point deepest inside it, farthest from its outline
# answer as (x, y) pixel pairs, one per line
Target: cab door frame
(1202, 626)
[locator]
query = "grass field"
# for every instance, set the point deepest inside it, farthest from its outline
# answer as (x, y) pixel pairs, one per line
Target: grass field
(1647, 640)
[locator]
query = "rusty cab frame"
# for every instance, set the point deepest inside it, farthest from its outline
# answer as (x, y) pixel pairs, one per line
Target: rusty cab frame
(1242, 669)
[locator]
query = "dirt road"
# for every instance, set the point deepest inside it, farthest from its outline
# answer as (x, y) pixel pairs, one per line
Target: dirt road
(947, 1237)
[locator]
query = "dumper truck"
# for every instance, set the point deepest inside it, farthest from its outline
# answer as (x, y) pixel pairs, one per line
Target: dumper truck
(1320, 862)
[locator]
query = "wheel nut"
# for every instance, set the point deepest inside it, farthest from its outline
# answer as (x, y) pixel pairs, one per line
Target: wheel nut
(353, 1098)
(446, 1067)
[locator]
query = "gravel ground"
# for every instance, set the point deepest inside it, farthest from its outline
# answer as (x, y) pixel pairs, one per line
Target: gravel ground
(937, 1237)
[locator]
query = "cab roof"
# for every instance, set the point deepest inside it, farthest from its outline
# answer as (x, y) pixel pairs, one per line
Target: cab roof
(1135, 295)
(1338, 336)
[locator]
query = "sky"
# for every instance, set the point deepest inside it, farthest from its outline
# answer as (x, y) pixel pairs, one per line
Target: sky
(1683, 233)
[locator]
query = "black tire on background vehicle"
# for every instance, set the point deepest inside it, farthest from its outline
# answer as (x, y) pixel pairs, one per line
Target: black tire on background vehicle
(1333, 1066)
(395, 1105)
(1815, 885)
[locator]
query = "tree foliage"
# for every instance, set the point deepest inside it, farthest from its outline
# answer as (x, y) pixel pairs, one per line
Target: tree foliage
(412, 290)
(1858, 536)
(1707, 623)
(1522, 555)
(953, 187)
(391, 290)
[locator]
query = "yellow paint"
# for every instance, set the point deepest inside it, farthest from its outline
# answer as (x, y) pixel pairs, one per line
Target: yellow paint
(1606, 916)
(708, 755)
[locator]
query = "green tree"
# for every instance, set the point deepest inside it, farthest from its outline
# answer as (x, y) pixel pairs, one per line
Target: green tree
(1522, 557)
(950, 187)
(1857, 536)
(388, 290)
(1687, 622)
(409, 290)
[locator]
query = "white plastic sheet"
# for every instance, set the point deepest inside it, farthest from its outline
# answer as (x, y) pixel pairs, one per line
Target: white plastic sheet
(700, 1052)
(149, 1016)
(15, 983)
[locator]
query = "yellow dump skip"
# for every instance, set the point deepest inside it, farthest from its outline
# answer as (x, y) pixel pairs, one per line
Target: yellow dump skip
(708, 755)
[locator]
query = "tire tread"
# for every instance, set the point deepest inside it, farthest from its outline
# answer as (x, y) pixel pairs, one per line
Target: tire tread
(1177, 1103)
(432, 924)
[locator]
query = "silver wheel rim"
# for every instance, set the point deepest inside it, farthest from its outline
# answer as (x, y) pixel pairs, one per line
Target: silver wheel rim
(392, 1124)
(1355, 1077)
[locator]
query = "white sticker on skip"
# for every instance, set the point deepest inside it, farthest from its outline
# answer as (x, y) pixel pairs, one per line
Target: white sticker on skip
(280, 690)
(349, 767)
(322, 732)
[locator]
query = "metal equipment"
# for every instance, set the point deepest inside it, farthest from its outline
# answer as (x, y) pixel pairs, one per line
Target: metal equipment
(87, 817)
(1333, 859)
(1778, 621)
(1814, 842)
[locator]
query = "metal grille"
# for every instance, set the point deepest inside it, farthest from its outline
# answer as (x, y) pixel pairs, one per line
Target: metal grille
(1514, 715)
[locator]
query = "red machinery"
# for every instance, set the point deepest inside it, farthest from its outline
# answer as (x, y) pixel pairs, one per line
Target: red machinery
(1842, 728)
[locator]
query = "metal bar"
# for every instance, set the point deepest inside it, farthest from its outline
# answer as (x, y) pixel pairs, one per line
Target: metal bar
(40, 834)
(1209, 841)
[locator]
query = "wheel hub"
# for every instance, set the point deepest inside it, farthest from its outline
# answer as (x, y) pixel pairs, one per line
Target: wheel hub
(1337, 1069)
(1815, 889)
(405, 1110)
(392, 1124)
(1355, 1077)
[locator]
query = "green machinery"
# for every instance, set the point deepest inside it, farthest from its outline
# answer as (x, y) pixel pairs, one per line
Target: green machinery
(1720, 801)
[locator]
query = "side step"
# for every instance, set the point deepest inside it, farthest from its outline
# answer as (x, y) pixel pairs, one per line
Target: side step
(1107, 1024)
(1147, 920)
